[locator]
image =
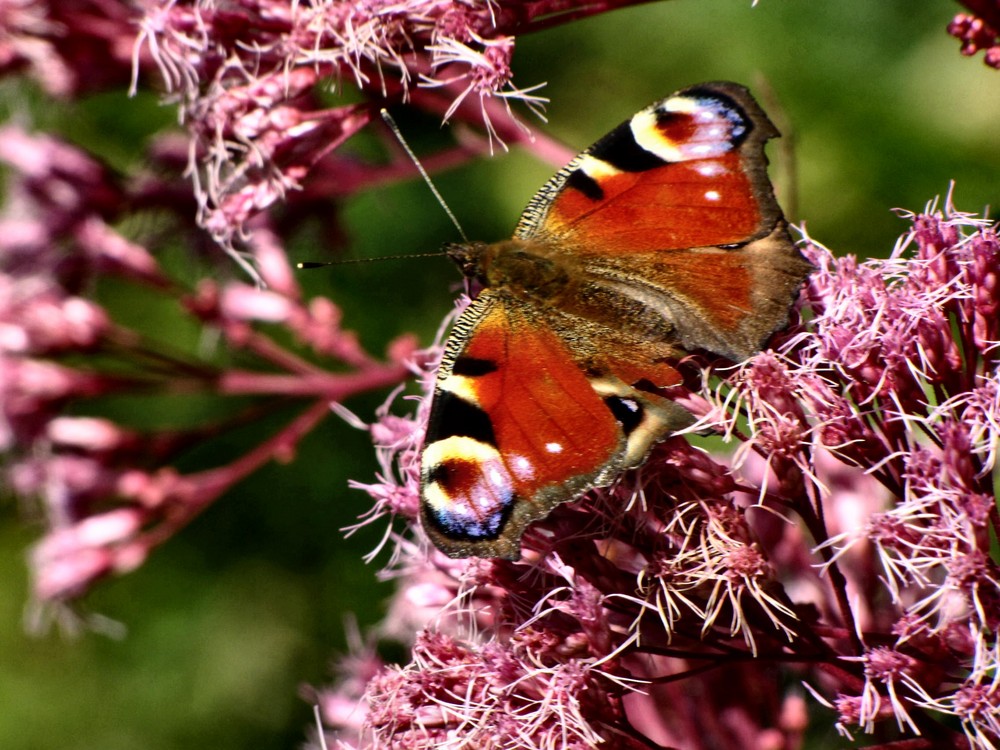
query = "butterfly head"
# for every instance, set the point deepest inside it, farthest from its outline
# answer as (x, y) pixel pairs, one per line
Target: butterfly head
(469, 257)
(519, 267)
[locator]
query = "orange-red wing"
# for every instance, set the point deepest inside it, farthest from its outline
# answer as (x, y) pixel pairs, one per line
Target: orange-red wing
(516, 427)
(688, 171)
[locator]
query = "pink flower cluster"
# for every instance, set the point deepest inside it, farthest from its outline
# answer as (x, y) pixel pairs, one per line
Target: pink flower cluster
(109, 491)
(254, 83)
(838, 561)
(979, 30)
(69, 49)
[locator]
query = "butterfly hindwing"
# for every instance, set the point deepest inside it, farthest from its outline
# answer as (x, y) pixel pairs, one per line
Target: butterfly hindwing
(517, 426)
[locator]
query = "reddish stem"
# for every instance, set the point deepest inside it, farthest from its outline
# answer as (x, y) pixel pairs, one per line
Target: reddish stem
(521, 18)
(202, 489)
(328, 386)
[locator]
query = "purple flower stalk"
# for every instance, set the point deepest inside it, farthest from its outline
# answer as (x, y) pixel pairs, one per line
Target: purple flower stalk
(837, 563)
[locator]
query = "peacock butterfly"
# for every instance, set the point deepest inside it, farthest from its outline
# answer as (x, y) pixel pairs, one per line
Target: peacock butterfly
(662, 238)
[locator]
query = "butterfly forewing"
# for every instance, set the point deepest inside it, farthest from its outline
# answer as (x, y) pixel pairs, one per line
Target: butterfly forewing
(688, 171)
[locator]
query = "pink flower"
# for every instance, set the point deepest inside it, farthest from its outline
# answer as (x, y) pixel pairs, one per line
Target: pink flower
(109, 491)
(246, 77)
(979, 30)
(99, 55)
(846, 543)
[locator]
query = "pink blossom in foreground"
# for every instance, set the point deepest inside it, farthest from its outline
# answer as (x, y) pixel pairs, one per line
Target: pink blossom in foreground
(836, 570)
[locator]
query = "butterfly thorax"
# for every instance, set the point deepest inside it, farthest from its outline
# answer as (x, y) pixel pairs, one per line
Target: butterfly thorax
(520, 267)
(575, 298)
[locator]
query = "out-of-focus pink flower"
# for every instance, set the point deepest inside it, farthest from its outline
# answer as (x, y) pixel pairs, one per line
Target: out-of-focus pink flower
(844, 548)
(109, 491)
(979, 30)
(69, 48)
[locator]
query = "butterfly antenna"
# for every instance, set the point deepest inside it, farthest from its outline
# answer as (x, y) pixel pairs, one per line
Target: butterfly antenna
(320, 264)
(420, 168)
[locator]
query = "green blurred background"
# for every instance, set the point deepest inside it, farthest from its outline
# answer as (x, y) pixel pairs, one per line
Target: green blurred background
(227, 622)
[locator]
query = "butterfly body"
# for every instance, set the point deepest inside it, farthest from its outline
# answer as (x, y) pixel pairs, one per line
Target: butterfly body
(660, 239)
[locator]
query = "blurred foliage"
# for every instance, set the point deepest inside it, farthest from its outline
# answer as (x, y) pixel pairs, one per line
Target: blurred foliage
(228, 621)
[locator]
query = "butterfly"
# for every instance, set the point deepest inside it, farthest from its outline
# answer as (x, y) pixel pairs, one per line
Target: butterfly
(662, 238)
